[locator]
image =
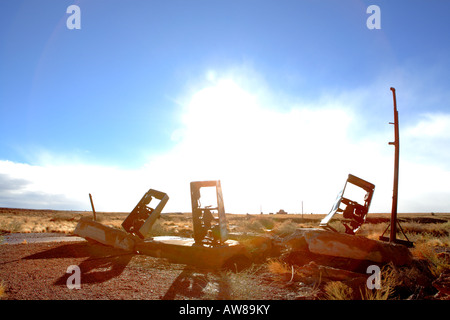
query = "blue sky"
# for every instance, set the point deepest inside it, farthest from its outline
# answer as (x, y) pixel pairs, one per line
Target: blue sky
(280, 100)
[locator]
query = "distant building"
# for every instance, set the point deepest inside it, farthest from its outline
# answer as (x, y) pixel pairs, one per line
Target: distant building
(281, 212)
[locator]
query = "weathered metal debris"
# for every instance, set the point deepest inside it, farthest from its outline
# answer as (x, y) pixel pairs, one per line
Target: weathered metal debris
(186, 251)
(209, 248)
(210, 223)
(136, 225)
(93, 230)
(140, 221)
(354, 213)
(335, 244)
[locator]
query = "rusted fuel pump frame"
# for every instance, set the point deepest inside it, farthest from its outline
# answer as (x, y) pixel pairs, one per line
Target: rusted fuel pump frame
(354, 213)
(208, 229)
(141, 219)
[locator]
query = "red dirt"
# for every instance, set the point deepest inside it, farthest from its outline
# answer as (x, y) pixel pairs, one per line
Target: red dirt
(38, 271)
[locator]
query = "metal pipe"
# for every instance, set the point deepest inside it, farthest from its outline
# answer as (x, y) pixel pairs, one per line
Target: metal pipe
(92, 205)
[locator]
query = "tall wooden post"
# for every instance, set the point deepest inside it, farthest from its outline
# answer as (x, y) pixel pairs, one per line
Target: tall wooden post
(396, 144)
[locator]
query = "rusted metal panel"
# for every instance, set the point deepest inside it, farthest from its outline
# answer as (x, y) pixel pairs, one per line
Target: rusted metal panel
(141, 219)
(332, 244)
(186, 251)
(354, 213)
(96, 231)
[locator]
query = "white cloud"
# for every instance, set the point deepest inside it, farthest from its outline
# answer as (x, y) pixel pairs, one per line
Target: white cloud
(432, 125)
(64, 186)
(428, 140)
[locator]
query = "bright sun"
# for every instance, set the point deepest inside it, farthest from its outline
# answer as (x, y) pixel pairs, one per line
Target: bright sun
(259, 152)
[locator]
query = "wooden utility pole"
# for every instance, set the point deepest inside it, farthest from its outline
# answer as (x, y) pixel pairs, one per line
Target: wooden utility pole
(396, 144)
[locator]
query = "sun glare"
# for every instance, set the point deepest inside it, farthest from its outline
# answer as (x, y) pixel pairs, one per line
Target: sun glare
(260, 152)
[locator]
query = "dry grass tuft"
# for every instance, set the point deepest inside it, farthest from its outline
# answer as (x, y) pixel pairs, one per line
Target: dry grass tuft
(337, 290)
(285, 228)
(389, 280)
(278, 267)
(438, 263)
(240, 285)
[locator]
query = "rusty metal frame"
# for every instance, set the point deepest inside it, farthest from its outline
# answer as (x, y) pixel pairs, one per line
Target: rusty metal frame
(208, 229)
(354, 214)
(141, 219)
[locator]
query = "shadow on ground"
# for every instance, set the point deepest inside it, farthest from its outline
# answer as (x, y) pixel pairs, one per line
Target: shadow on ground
(199, 284)
(102, 263)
